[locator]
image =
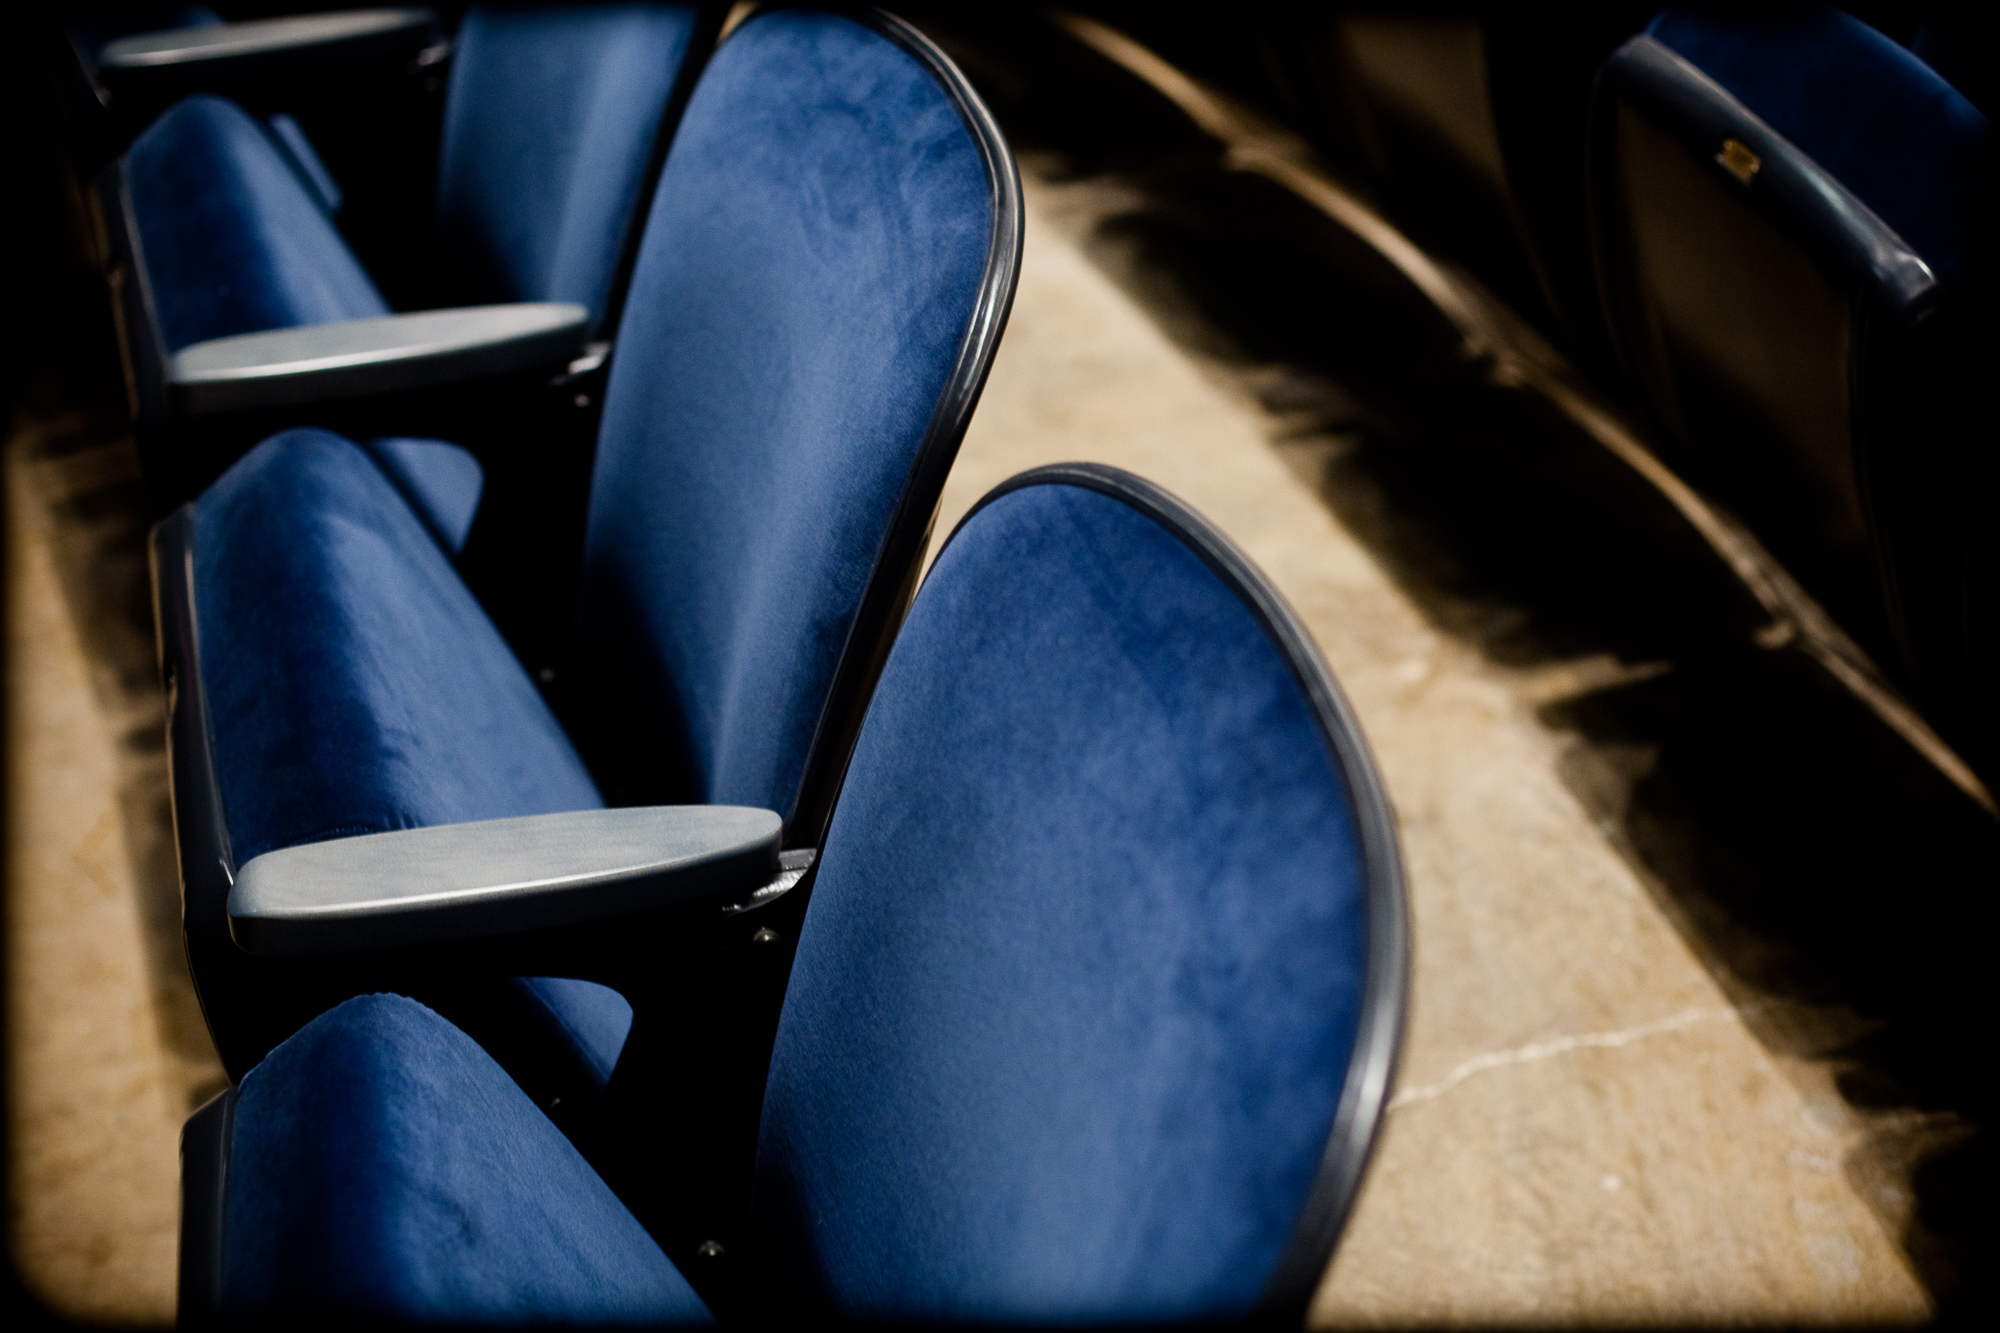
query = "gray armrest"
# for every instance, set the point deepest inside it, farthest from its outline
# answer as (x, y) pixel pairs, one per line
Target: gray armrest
(470, 881)
(236, 48)
(316, 363)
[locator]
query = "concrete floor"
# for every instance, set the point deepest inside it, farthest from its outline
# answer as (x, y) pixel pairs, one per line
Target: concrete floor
(106, 1049)
(1588, 1127)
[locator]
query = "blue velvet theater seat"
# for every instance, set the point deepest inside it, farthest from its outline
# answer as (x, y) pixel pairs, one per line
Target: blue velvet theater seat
(1461, 118)
(1786, 218)
(822, 282)
(1091, 1020)
(554, 120)
(551, 119)
(233, 241)
(363, 1109)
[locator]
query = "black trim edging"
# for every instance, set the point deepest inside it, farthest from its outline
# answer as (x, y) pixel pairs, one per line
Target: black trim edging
(1364, 1100)
(892, 578)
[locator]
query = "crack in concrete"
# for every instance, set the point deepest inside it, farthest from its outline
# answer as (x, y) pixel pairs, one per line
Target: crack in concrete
(1544, 1050)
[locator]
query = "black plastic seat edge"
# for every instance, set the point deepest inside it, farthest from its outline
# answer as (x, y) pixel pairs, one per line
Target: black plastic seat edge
(892, 577)
(1364, 1099)
(1786, 184)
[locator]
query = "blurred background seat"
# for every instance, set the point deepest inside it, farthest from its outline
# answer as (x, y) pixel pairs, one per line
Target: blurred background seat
(556, 121)
(350, 96)
(1788, 236)
(134, 58)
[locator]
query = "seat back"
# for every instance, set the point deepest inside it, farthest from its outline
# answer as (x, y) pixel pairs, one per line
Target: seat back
(1779, 203)
(824, 275)
(556, 118)
(1101, 977)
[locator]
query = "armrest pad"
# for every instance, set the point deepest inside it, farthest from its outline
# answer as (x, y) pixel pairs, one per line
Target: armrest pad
(222, 49)
(468, 881)
(316, 363)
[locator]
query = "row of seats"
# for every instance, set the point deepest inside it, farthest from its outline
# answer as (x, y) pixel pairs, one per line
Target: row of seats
(766, 943)
(1764, 227)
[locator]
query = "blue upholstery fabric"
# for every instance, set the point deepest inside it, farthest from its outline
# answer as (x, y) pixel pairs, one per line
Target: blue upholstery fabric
(441, 481)
(1871, 114)
(319, 182)
(594, 1019)
(549, 125)
(1077, 988)
(812, 259)
(383, 1165)
(550, 122)
(1071, 1012)
(806, 281)
(354, 685)
(232, 240)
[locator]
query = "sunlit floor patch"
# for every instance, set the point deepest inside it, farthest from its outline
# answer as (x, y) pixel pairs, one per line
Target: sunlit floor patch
(107, 1051)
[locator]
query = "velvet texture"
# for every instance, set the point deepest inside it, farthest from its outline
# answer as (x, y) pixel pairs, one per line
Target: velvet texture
(441, 481)
(550, 123)
(383, 1166)
(236, 238)
(804, 285)
(354, 684)
(231, 238)
(1871, 114)
(312, 172)
(550, 119)
(1077, 989)
(815, 250)
(590, 1019)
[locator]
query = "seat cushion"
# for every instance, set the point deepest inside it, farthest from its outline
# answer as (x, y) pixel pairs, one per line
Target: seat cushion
(355, 686)
(1078, 985)
(353, 683)
(231, 238)
(811, 264)
(549, 128)
(441, 481)
(588, 1019)
(1871, 114)
(289, 135)
(382, 1165)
